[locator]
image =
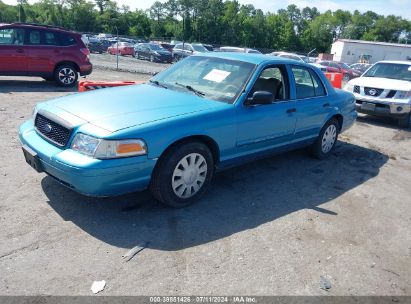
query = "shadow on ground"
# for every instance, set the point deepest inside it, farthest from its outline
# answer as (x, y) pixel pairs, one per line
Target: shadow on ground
(239, 199)
(379, 121)
(35, 85)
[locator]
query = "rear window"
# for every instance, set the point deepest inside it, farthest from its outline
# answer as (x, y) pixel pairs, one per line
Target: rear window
(66, 39)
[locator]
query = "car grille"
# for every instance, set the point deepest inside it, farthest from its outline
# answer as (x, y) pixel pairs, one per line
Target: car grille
(391, 94)
(368, 91)
(51, 130)
(357, 89)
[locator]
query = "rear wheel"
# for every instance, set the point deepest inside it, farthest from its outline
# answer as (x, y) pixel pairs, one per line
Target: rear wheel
(325, 143)
(405, 122)
(66, 75)
(183, 175)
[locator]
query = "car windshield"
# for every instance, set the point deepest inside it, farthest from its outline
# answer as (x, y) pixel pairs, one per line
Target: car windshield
(213, 78)
(199, 48)
(156, 47)
(390, 70)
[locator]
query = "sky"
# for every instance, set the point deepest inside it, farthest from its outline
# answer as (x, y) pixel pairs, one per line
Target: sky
(383, 7)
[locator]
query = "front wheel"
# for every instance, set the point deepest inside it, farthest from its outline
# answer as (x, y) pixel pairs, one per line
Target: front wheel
(183, 174)
(151, 58)
(66, 75)
(325, 143)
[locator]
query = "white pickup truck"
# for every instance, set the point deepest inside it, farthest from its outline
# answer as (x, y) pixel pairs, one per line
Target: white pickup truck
(384, 90)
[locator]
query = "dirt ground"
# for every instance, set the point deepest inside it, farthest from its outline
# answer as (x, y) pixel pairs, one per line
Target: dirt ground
(270, 227)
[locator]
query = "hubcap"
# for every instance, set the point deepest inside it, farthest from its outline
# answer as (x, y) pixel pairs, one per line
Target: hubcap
(329, 137)
(67, 76)
(189, 175)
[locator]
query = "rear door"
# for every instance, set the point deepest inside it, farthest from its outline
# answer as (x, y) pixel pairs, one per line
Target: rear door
(42, 48)
(312, 102)
(13, 57)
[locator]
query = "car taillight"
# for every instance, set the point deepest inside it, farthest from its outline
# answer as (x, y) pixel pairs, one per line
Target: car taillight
(86, 52)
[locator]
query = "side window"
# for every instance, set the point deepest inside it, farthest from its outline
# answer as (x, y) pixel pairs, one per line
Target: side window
(65, 39)
(318, 84)
(303, 83)
(50, 38)
(11, 36)
(272, 79)
(34, 38)
(307, 83)
(187, 47)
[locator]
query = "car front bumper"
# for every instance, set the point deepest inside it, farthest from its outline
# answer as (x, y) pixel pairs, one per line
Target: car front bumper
(382, 106)
(86, 175)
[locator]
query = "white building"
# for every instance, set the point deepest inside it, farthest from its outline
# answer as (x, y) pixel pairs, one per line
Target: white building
(352, 51)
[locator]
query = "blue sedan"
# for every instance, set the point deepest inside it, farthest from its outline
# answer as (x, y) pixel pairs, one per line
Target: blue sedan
(204, 113)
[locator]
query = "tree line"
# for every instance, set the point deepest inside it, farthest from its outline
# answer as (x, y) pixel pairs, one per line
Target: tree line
(216, 22)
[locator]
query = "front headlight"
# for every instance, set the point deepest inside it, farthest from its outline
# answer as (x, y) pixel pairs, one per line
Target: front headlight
(349, 87)
(403, 94)
(104, 149)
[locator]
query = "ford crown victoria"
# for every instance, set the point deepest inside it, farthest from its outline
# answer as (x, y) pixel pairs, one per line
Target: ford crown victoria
(204, 113)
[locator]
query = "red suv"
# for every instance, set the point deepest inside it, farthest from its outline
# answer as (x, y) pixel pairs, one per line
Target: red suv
(40, 50)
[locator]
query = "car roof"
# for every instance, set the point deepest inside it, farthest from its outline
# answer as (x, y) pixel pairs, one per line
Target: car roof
(40, 26)
(248, 57)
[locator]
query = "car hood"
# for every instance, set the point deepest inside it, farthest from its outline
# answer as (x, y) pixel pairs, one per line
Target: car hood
(382, 83)
(123, 107)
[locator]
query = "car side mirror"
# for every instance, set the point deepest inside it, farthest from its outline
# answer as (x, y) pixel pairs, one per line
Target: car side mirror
(260, 98)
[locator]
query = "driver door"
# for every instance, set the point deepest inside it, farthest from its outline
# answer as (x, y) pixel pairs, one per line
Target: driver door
(271, 125)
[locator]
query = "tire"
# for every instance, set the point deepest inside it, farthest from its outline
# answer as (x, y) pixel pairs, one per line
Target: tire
(66, 75)
(325, 143)
(346, 77)
(175, 182)
(151, 58)
(405, 122)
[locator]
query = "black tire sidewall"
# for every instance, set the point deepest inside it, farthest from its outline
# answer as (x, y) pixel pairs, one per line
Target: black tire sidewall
(162, 186)
(57, 79)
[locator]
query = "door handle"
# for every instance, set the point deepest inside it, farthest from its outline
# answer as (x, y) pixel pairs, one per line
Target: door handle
(19, 50)
(292, 110)
(326, 105)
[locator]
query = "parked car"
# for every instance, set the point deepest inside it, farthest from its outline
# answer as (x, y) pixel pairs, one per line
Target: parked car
(360, 67)
(95, 46)
(292, 56)
(170, 134)
(105, 44)
(152, 52)
(122, 48)
(38, 50)
(384, 90)
(183, 50)
(235, 49)
(169, 47)
(340, 67)
(300, 58)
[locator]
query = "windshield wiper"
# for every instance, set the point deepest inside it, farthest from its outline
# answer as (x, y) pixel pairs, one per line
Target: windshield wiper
(158, 84)
(190, 88)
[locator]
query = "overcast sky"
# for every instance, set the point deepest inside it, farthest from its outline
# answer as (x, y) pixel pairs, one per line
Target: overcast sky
(384, 7)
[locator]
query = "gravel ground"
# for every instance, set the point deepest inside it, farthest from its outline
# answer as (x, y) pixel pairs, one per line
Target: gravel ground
(126, 64)
(270, 227)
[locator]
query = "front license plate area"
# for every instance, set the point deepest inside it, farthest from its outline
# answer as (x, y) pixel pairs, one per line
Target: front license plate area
(32, 159)
(368, 106)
